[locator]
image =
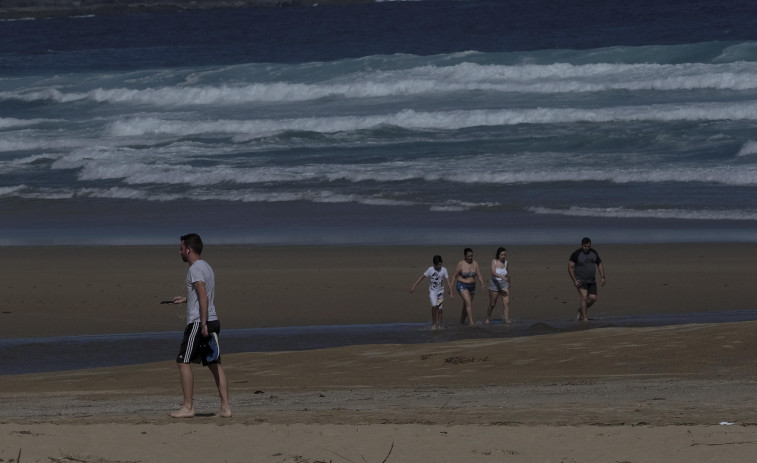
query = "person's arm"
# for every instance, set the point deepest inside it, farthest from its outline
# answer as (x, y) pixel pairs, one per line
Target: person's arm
(179, 299)
(509, 283)
(572, 274)
(494, 269)
(448, 280)
(420, 278)
(202, 297)
(458, 269)
(601, 268)
(478, 273)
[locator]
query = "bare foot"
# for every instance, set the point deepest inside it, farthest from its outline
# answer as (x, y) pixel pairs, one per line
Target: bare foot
(183, 412)
(225, 413)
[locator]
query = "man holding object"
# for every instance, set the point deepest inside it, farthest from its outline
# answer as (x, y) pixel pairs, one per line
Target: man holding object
(202, 328)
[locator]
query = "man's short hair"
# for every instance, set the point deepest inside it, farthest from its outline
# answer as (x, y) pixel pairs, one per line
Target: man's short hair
(193, 242)
(586, 240)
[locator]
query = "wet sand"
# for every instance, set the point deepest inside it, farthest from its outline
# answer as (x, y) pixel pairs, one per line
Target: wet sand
(61, 290)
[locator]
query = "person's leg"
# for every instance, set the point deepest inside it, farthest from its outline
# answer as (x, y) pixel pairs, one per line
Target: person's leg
(187, 387)
(438, 317)
(582, 296)
(469, 307)
(591, 298)
(223, 389)
(465, 296)
(506, 303)
(493, 295)
(467, 311)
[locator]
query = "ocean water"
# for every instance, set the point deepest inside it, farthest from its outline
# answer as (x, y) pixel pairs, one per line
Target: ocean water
(383, 123)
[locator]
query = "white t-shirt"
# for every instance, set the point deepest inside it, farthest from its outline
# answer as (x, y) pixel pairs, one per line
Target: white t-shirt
(436, 283)
(200, 271)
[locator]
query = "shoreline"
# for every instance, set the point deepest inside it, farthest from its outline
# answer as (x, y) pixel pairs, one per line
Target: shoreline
(41, 9)
(69, 353)
(707, 356)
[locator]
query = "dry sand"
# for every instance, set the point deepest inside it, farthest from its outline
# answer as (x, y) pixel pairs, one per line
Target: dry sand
(653, 394)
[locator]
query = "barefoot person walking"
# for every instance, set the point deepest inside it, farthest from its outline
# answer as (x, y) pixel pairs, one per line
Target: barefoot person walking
(582, 268)
(465, 276)
(200, 342)
(438, 277)
(499, 285)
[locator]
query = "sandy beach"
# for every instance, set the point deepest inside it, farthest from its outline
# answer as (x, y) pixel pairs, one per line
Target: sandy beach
(666, 393)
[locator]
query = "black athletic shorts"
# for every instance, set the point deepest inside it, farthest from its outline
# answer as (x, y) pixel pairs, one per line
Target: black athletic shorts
(195, 345)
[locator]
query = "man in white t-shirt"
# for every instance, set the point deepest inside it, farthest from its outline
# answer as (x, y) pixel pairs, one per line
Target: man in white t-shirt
(200, 343)
(438, 276)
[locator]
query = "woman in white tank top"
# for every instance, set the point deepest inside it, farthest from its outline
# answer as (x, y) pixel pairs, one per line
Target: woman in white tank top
(499, 285)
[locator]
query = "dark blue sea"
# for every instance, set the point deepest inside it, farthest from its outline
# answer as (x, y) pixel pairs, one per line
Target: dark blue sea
(383, 123)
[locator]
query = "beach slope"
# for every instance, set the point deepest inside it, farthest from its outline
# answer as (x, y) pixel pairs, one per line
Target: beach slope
(674, 394)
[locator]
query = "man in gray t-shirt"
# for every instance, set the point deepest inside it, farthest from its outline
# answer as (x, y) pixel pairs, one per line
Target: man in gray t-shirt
(202, 328)
(582, 268)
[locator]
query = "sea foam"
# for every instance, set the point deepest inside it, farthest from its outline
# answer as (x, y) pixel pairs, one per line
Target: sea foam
(429, 79)
(437, 120)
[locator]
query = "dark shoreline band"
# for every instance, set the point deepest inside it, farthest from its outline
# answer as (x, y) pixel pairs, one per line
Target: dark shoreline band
(19, 9)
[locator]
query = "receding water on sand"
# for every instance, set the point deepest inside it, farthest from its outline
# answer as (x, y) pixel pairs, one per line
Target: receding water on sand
(36, 355)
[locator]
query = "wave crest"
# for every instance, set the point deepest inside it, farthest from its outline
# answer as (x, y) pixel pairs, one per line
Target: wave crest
(429, 78)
